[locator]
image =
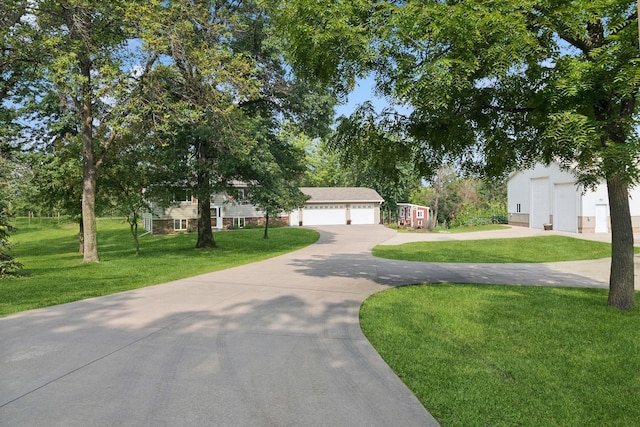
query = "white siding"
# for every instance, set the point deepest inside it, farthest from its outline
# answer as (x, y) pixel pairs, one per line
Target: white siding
(518, 193)
(294, 217)
(592, 198)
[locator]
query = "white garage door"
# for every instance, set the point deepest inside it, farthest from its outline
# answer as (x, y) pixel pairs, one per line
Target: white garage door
(324, 215)
(363, 214)
(565, 208)
(540, 210)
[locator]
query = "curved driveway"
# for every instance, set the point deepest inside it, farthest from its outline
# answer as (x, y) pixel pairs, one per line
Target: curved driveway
(274, 343)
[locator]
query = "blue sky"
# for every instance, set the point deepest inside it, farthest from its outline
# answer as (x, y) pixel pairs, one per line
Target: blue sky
(364, 91)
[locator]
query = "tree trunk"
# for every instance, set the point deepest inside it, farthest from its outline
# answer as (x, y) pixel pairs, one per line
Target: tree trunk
(266, 226)
(133, 225)
(81, 237)
(89, 175)
(205, 234)
(621, 279)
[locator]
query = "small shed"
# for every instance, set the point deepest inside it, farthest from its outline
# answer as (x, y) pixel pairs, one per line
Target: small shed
(414, 216)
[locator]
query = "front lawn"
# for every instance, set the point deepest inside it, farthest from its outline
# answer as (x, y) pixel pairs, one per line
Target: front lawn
(482, 355)
(461, 229)
(54, 272)
(471, 228)
(513, 250)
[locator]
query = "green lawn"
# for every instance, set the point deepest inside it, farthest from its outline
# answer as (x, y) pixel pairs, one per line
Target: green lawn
(54, 272)
(480, 355)
(463, 229)
(472, 228)
(514, 250)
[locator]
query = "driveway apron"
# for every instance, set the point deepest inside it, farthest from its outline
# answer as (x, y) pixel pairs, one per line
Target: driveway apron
(274, 343)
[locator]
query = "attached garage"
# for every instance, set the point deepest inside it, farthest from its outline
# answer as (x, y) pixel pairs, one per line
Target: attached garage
(338, 206)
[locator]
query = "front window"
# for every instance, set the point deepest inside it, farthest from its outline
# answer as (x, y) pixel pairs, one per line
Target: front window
(238, 222)
(179, 224)
(420, 213)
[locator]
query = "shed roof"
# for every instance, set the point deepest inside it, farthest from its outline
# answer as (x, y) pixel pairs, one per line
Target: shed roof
(341, 194)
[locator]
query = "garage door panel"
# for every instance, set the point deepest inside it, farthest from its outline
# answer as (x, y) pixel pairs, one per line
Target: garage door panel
(324, 215)
(565, 213)
(363, 214)
(540, 209)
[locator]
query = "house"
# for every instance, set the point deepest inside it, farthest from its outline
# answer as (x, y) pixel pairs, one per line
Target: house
(548, 197)
(227, 211)
(326, 206)
(414, 216)
(338, 205)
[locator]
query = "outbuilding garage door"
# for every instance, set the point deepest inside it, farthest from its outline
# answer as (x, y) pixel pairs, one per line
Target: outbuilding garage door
(565, 204)
(363, 214)
(540, 202)
(324, 215)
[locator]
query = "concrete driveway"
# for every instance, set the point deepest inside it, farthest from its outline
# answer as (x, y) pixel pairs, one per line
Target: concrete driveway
(275, 343)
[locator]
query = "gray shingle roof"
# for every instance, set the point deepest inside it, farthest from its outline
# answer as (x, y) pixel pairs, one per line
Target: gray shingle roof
(341, 194)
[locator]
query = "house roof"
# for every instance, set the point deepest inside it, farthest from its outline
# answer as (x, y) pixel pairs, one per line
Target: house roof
(341, 194)
(411, 205)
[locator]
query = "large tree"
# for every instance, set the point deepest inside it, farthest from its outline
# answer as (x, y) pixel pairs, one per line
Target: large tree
(200, 87)
(497, 85)
(222, 71)
(273, 171)
(85, 84)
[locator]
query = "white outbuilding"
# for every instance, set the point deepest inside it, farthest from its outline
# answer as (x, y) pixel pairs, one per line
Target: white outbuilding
(549, 197)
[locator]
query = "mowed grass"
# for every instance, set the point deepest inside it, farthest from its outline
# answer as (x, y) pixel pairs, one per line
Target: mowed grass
(54, 272)
(474, 228)
(514, 250)
(481, 355)
(453, 230)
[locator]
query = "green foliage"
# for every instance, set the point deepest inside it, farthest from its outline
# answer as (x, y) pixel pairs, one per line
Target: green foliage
(8, 264)
(54, 274)
(326, 39)
(495, 86)
(354, 156)
(471, 216)
(273, 169)
(510, 355)
(457, 201)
